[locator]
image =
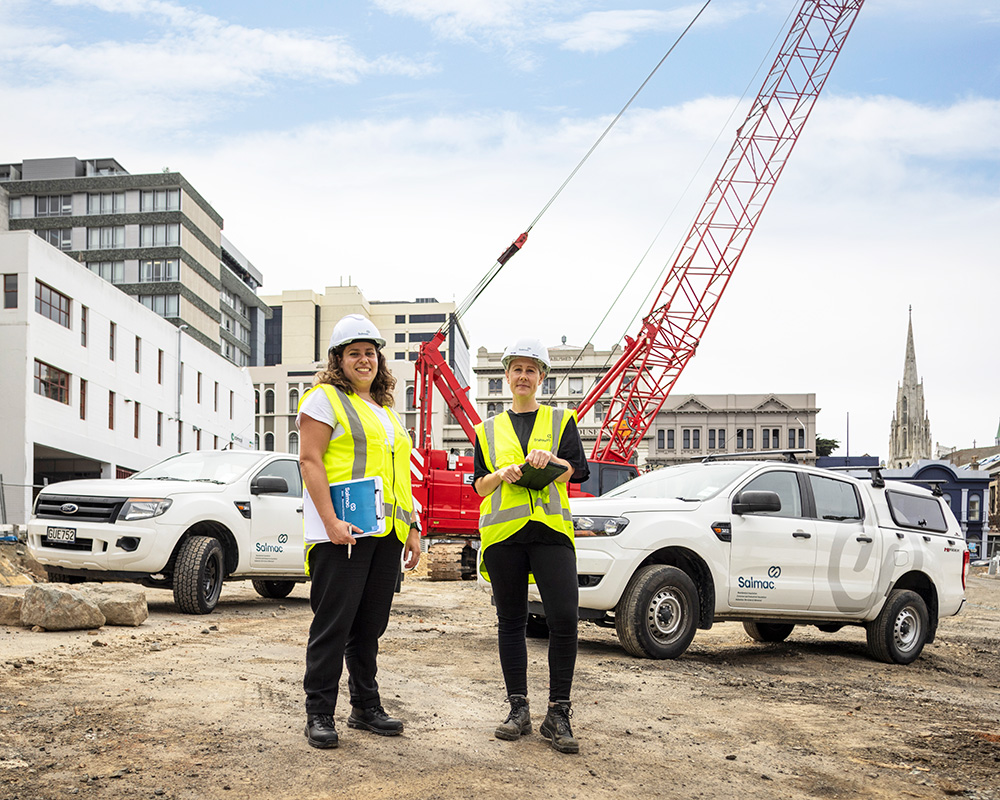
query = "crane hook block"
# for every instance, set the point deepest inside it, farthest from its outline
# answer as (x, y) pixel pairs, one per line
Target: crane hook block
(516, 245)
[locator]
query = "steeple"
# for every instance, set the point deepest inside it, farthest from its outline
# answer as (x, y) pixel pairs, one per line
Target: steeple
(910, 377)
(910, 434)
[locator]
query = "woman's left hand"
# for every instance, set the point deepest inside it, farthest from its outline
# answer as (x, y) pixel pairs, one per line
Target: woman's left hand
(411, 550)
(539, 459)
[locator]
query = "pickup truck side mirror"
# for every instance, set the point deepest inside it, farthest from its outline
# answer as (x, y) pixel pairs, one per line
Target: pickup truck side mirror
(268, 484)
(751, 501)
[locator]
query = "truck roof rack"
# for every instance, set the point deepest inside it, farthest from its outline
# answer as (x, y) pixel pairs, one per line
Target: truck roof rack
(786, 455)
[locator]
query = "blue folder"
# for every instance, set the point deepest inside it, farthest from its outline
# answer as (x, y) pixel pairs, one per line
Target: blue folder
(360, 503)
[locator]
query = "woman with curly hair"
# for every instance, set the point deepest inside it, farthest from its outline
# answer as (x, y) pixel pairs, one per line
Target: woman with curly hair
(348, 430)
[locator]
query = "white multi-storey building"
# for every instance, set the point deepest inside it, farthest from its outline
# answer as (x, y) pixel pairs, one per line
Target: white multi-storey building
(94, 384)
(296, 340)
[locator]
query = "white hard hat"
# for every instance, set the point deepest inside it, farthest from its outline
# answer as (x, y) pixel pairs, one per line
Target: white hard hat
(355, 328)
(527, 348)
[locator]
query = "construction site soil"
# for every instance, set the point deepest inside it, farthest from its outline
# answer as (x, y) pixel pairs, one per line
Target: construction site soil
(212, 708)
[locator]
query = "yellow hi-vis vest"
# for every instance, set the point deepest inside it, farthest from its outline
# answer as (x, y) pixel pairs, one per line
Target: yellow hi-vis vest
(363, 452)
(508, 508)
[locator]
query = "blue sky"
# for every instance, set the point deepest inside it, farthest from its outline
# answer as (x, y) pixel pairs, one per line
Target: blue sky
(404, 143)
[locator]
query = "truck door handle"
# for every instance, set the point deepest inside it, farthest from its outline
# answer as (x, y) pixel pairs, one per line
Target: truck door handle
(298, 510)
(801, 535)
(865, 539)
(927, 538)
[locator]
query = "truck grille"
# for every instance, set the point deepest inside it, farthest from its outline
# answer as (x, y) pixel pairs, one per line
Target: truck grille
(89, 509)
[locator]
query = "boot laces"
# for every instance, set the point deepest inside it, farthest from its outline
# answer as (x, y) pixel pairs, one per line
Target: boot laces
(560, 716)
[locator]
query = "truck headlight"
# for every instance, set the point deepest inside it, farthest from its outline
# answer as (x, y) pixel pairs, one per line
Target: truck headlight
(143, 508)
(599, 526)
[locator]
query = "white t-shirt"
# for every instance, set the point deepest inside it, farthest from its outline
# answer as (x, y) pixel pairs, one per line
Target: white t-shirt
(317, 405)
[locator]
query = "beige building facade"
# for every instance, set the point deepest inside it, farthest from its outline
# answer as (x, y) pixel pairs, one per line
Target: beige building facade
(296, 340)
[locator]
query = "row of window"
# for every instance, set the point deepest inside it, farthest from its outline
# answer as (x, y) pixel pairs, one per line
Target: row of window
(61, 205)
(54, 383)
(716, 439)
(418, 318)
(293, 442)
(293, 401)
(112, 237)
(574, 385)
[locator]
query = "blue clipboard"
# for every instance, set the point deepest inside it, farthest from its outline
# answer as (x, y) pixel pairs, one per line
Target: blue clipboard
(360, 502)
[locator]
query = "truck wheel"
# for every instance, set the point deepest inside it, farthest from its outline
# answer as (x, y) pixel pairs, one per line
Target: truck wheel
(898, 633)
(61, 577)
(537, 627)
(198, 575)
(767, 631)
(273, 589)
(658, 613)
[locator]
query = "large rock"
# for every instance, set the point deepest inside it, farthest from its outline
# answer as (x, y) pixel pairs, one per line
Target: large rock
(121, 603)
(10, 609)
(10, 574)
(56, 607)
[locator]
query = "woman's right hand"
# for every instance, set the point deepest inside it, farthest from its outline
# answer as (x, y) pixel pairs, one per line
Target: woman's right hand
(340, 532)
(510, 473)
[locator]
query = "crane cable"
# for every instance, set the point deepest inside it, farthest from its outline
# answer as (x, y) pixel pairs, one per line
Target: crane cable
(519, 242)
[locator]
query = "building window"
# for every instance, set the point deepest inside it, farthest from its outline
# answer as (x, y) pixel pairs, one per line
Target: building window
(161, 200)
(421, 337)
(598, 411)
(293, 402)
(138, 353)
(14, 209)
(197, 438)
(60, 238)
(159, 429)
(83, 398)
(51, 382)
(269, 401)
(110, 237)
(776, 438)
(711, 438)
(739, 439)
(166, 305)
(413, 356)
(198, 389)
(974, 508)
(106, 203)
(686, 439)
(269, 442)
(400, 337)
(111, 271)
(180, 436)
(802, 438)
(158, 270)
(791, 438)
(749, 438)
(112, 335)
(293, 443)
(696, 438)
(493, 409)
(216, 397)
(160, 235)
(231, 403)
(84, 316)
(411, 398)
(427, 317)
(159, 366)
(548, 386)
(135, 420)
(52, 304)
(401, 319)
(721, 438)
(56, 205)
(10, 291)
(494, 385)
(765, 439)
(671, 444)
(256, 401)
(111, 410)
(399, 356)
(576, 385)
(661, 439)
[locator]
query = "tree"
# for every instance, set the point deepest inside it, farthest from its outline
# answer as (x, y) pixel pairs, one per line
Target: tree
(825, 447)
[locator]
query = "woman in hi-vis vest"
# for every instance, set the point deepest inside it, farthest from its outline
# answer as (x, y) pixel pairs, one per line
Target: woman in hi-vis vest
(347, 432)
(526, 532)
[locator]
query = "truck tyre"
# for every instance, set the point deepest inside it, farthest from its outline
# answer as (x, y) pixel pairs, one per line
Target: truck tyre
(61, 577)
(198, 575)
(537, 627)
(898, 633)
(768, 631)
(273, 589)
(658, 613)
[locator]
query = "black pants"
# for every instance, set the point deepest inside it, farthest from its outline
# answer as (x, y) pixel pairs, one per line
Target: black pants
(554, 568)
(350, 600)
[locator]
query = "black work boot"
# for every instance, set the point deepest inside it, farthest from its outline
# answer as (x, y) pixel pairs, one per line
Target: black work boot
(375, 720)
(518, 721)
(556, 727)
(320, 731)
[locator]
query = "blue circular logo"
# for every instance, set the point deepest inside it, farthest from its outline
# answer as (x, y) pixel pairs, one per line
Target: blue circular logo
(773, 572)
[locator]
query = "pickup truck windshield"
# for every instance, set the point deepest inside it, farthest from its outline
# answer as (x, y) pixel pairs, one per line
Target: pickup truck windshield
(210, 466)
(684, 482)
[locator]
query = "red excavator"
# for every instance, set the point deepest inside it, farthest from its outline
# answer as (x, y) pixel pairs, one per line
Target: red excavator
(637, 384)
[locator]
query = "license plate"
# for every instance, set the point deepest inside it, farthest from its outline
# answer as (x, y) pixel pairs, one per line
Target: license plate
(61, 534)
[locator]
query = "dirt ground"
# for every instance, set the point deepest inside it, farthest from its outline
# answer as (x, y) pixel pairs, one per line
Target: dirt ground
(211, 707)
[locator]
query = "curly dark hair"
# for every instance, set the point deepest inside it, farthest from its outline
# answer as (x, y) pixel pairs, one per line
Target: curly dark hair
(333, 374)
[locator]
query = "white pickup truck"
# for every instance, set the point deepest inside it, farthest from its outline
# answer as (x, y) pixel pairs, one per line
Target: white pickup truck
(770, 544)
(189, 523)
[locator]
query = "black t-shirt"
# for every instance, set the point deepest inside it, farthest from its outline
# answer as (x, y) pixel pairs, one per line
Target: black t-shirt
(570, 449)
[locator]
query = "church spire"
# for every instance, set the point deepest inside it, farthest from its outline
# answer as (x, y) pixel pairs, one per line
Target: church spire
(910, 377)
(910, 436)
